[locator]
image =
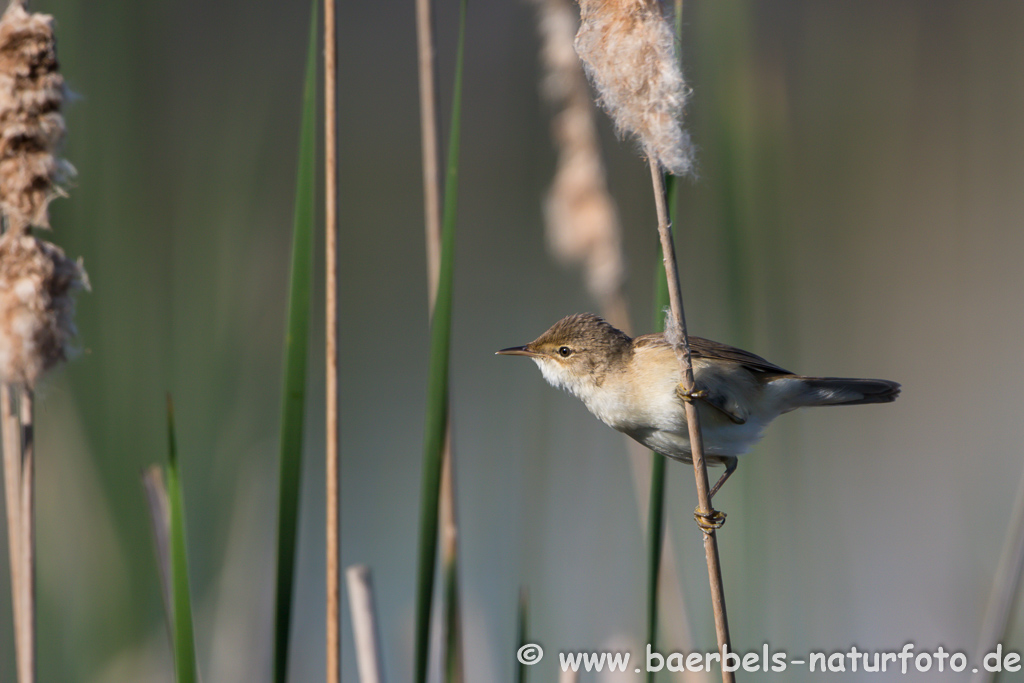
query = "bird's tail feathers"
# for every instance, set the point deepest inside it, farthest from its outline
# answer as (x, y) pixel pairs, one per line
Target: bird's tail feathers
(843, 391)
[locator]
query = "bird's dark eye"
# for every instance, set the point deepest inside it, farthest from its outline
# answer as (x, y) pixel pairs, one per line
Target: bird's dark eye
(564, 351)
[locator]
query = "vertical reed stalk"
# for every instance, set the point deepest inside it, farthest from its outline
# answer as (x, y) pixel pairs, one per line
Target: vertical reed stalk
(12, 481)
(331, 316)
(656, 512)
(1005, 587)
(364, 624)
(27, 522)
(676, 330)
(429, 138)
(449, 565)
(16, 406)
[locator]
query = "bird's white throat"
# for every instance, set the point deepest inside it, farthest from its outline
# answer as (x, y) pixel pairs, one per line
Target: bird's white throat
(557, 375)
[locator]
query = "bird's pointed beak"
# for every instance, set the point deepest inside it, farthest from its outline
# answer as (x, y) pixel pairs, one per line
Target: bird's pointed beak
(517, 351)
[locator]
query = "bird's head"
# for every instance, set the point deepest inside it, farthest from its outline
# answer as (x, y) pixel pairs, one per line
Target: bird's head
(577, 352)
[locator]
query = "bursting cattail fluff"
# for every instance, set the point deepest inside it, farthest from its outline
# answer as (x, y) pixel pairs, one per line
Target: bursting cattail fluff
(31, 126)
(36, 306)
(581, 217)
(627, 47)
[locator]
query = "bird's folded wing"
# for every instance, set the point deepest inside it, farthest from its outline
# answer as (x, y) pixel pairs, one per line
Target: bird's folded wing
(715, 379)
(712, 350)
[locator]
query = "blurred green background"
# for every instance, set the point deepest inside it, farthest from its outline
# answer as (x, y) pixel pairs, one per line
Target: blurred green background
(858, 212)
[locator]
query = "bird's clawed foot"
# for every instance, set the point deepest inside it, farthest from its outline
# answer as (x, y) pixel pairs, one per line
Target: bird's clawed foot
(691, 396)
(709, 521)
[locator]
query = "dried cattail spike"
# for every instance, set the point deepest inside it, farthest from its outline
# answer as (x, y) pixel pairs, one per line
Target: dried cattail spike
(31, 126)
(36, 306)
(628, 49)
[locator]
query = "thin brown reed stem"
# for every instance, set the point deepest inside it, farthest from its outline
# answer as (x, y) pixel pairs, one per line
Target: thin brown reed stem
(19, 489)
(364, 624)
(429, 142)
(26, 598)
(28, 535)
(700, 470)
(331, 247)
(12, 484)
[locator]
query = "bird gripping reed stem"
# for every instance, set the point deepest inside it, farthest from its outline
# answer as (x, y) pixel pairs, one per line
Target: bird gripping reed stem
(676, 329)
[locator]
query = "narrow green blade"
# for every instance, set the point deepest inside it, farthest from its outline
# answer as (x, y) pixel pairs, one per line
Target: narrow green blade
(183, 638)
(655, 536)
(293, 390)
(437, 381)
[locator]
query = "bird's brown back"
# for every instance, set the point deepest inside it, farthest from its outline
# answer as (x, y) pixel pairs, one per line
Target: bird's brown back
(712, 350)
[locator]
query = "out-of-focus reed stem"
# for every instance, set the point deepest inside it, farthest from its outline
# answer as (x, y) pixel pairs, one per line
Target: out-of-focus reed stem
(676, 330)
(364, 624)
(1005, 587)
(453, 672)
(331, 335)
(429, 142)
(155, 485)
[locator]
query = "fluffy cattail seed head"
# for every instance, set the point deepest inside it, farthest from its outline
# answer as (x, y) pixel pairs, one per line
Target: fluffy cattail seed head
(31, 126)
(36, 306)
(628, 49)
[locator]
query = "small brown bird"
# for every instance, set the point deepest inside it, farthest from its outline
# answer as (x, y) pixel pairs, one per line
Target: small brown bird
(634, 386)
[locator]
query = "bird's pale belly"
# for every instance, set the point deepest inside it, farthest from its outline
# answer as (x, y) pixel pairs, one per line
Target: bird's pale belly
(719, 439)
(722, 437)
(657, 419)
